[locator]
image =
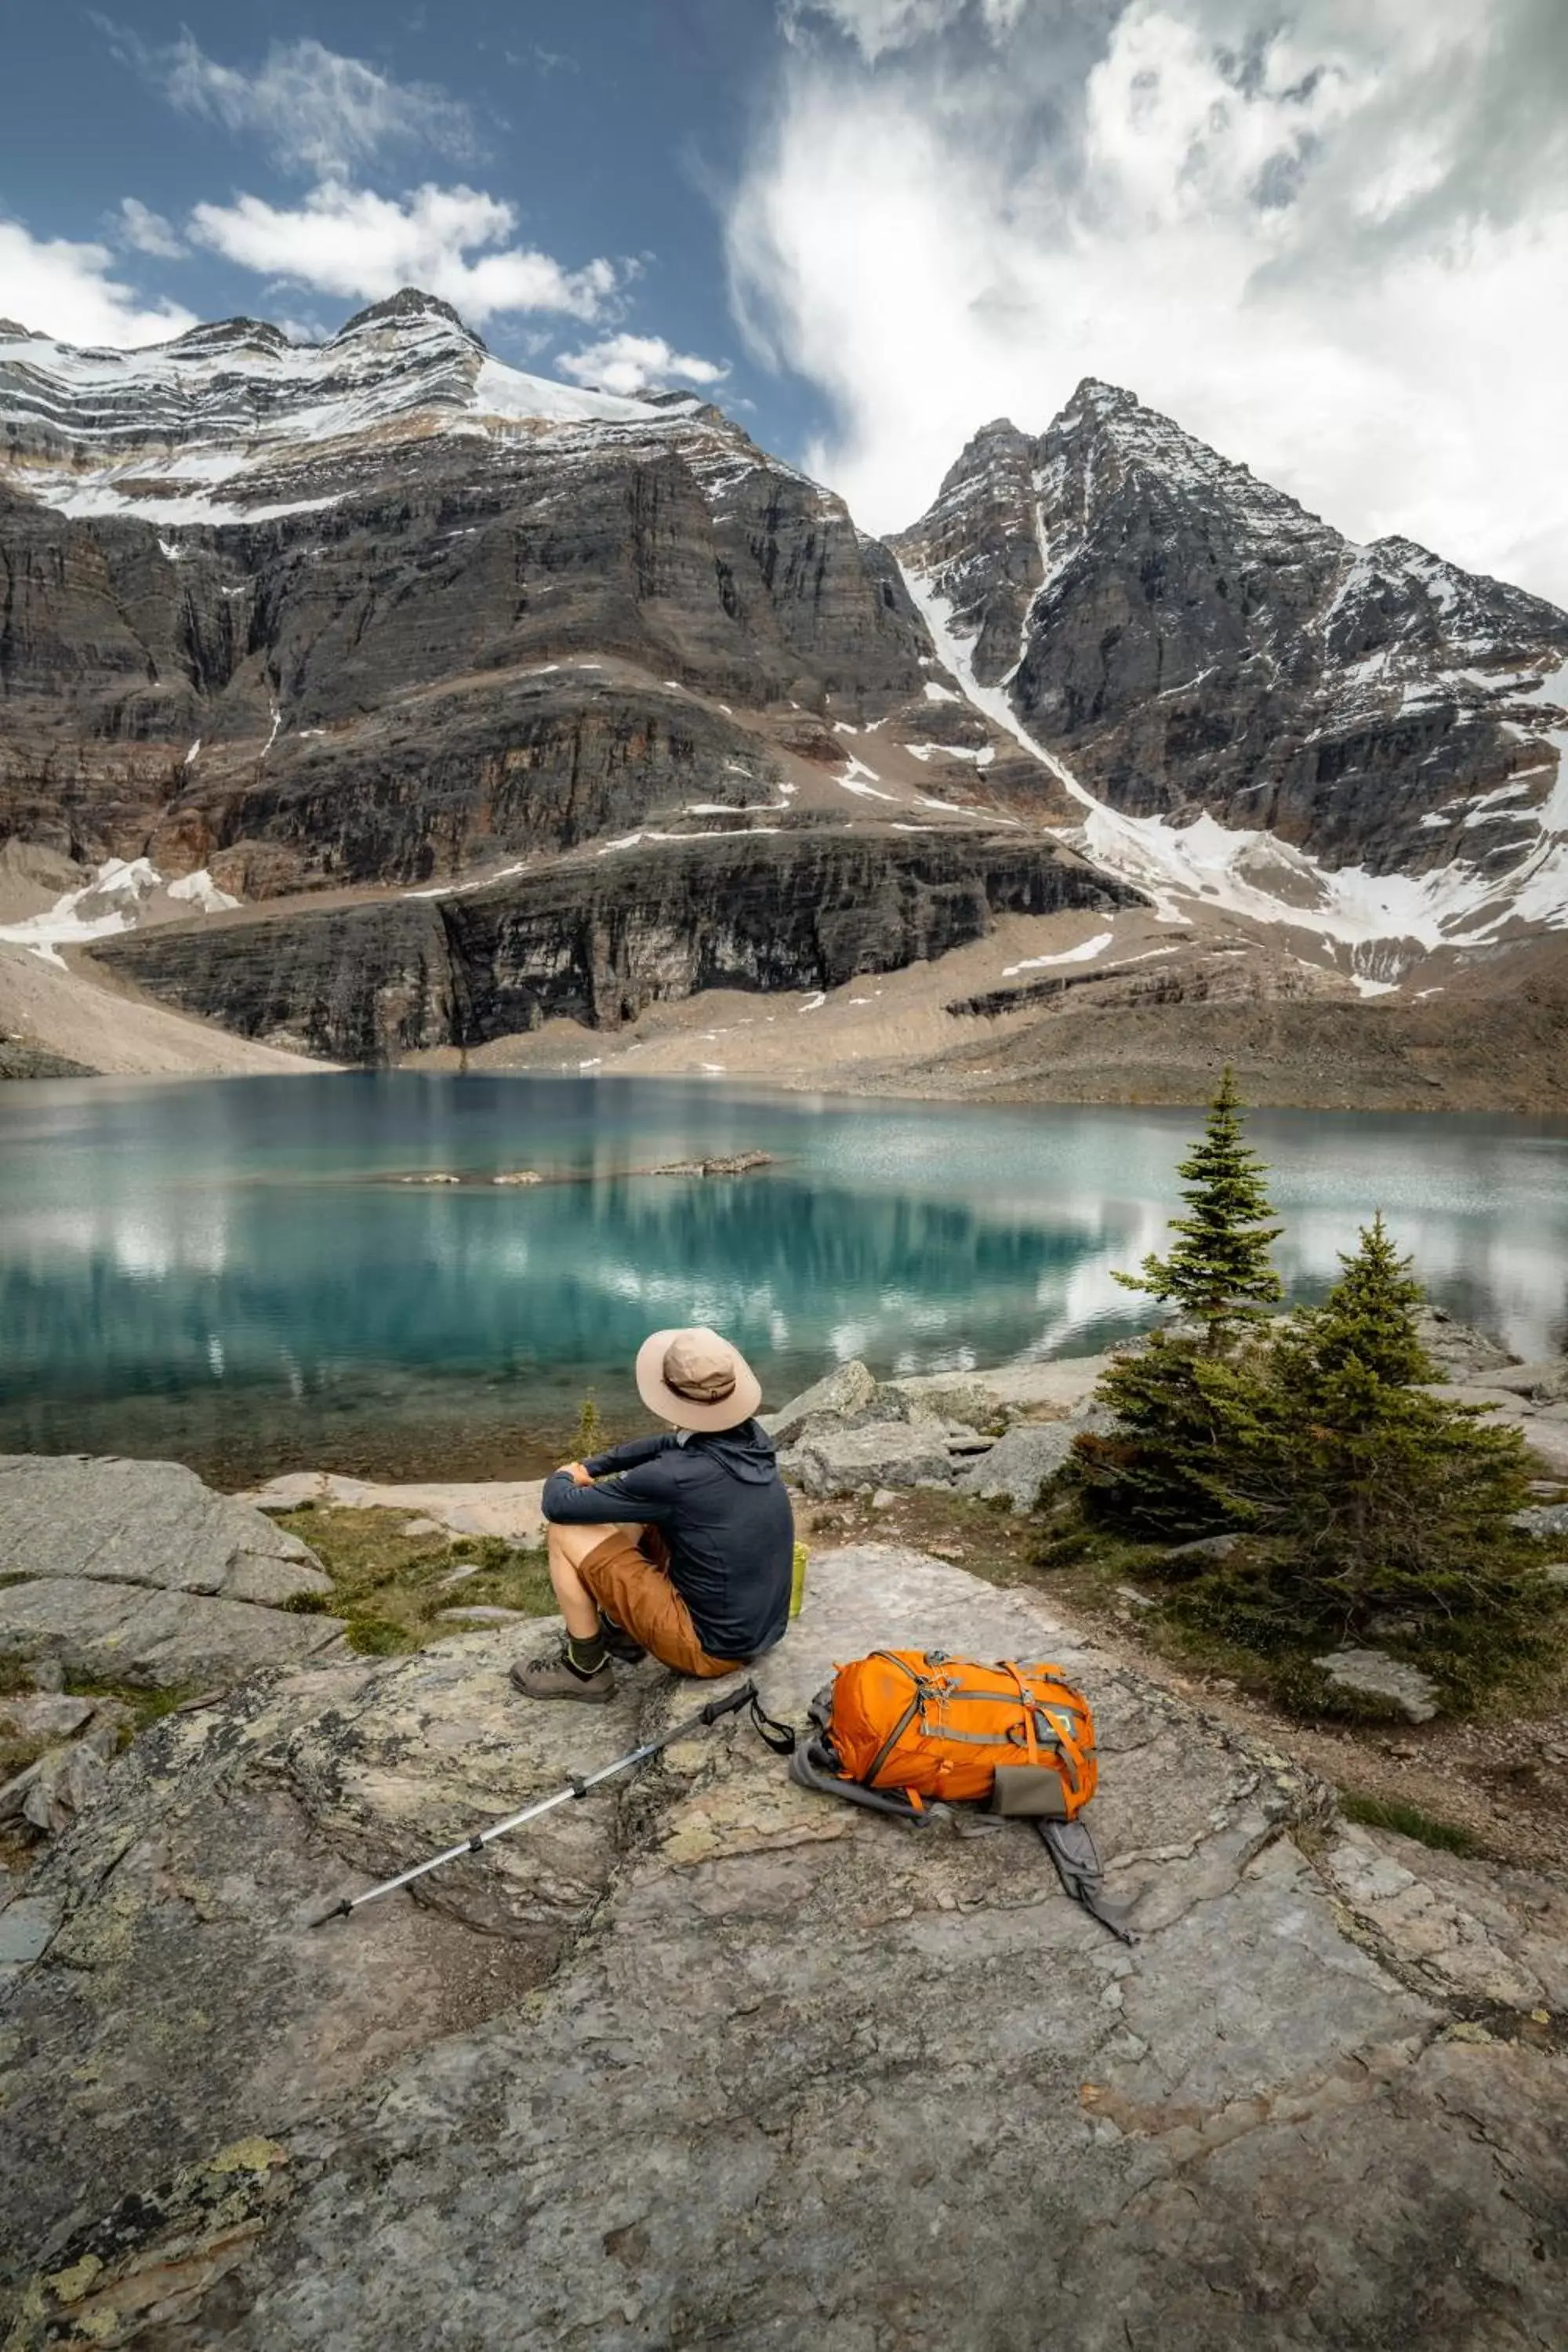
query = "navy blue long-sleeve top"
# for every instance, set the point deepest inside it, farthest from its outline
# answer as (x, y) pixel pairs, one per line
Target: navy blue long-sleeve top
(718, 1501)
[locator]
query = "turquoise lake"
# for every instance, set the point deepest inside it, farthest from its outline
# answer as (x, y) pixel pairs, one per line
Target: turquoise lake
(230, 1273)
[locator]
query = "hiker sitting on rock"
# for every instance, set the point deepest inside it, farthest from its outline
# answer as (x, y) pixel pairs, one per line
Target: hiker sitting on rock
(678, 1546)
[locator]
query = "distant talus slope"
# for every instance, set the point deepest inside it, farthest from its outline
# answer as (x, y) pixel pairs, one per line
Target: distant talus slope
(598, 939)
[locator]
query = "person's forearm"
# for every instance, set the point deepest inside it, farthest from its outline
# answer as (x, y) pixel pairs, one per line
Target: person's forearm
(625, 1457)
(567, 1504)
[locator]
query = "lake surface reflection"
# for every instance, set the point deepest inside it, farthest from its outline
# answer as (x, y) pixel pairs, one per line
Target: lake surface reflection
(229, 1273)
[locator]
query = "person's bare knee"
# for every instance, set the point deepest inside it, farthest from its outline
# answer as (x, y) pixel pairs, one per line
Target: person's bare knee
(578, 1606)
(573, 1542)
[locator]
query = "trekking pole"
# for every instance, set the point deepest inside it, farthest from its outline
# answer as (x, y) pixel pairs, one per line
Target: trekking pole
(578, 1785)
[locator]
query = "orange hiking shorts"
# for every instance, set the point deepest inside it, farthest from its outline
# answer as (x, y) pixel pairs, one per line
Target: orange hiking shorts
(626, 1576)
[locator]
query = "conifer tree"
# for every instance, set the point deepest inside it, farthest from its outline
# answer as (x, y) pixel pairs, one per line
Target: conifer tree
(1218, 1273)
(1187, 1412)
(1391, 1497)
(1383, 1510)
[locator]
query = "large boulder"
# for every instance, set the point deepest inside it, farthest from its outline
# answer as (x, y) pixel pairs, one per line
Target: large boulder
(857, 1458)
(1020, 1463)
(840, 1393)
(146, 1523)
(595, 2082)
(136, 1572)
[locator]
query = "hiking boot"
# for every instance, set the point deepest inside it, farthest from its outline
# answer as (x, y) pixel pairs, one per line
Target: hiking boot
(619, 1643)
(553, 1678)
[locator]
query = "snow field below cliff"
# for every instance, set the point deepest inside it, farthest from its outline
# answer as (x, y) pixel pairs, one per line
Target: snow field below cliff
(112, 901)
(1455, 906)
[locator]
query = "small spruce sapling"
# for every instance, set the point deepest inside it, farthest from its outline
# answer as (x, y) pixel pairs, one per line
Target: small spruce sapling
(1218, 1273)
(590, 1427)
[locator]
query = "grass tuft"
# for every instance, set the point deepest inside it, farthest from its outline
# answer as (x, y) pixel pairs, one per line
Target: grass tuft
(1407, 1821)
(389, 1588)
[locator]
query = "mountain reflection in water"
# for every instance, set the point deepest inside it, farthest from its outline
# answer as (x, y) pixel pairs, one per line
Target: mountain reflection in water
(230, 1273)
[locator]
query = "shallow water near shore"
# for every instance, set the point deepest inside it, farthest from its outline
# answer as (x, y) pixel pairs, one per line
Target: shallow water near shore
(232, 1274)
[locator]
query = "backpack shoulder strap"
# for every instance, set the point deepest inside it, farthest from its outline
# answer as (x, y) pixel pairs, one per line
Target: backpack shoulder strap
(812, 1766)
(1077, 1857)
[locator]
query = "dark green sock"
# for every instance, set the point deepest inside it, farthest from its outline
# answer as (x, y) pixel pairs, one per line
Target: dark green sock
(586, 1657)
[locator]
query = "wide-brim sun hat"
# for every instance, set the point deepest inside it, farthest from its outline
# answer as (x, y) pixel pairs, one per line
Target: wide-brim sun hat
(696, 1380)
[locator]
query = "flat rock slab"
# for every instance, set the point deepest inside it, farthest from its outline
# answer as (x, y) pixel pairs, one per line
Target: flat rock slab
(1060, 1385)
(1543, 1432)
(1372, 1674)
(143, 1523)
(808, 2077)
(508, 1508)
(157, 1640)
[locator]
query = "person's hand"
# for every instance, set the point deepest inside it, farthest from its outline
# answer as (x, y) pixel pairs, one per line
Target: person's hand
(578, 1476)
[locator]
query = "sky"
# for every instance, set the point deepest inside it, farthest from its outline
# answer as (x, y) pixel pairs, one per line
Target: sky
(1330, 236)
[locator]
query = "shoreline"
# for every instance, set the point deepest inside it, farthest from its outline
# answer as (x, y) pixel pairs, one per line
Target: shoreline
(839, 1087)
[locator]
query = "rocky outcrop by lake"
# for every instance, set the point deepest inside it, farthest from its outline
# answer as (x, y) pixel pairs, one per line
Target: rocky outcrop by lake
(593, 2081)
(134, 1572)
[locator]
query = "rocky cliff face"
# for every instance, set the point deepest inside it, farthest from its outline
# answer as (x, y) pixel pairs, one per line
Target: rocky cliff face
(384, 612)
(597, 940)
(235, 574)
(1194, 645)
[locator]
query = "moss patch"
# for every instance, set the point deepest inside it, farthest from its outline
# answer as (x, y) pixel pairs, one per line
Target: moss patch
(390, 1587)
(1408, 1820)
(145, 1707)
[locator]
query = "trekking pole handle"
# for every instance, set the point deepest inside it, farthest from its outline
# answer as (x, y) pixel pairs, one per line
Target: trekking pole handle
(731, 1704)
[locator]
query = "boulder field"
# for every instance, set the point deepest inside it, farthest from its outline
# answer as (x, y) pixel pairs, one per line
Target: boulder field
(712, 2060)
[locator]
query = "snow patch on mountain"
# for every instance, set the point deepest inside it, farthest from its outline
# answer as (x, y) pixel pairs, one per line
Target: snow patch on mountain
(112, 901)
(165, 431)
(1221, 866)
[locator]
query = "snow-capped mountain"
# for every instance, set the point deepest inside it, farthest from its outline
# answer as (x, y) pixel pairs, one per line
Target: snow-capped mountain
(1251, 710)
(380, 610)
(232, 422)
(510, 665)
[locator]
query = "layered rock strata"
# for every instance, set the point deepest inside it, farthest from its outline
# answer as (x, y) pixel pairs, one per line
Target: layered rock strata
(364, 632)
(599, 939)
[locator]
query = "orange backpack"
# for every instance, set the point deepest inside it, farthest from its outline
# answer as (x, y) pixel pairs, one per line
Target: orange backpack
(905, 1731)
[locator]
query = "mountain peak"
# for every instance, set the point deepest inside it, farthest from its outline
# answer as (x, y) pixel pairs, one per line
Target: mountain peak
(230, 334)
(1095, 394)
(409, 306)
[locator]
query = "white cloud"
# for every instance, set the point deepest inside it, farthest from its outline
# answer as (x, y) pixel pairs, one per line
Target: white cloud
(346, 241)
(1328, 235)
(62, 288)
(629, 363)
(148, 231)
(879, 26)
(316, 110)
